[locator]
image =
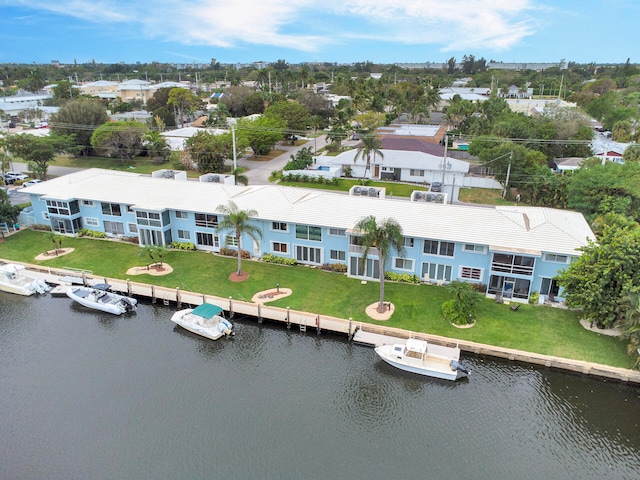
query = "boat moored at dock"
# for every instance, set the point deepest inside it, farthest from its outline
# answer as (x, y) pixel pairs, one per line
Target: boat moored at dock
(206, 320)
(98, 297)
(418, 356)
(15, 279)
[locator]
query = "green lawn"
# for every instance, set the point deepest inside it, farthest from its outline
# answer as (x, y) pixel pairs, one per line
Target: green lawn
(137, 164)
(345, 184)
(537, 329)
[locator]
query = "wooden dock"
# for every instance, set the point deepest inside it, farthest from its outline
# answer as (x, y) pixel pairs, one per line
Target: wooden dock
(360, 332)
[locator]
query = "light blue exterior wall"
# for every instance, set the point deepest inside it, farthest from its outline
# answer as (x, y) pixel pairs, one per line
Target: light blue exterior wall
(429, 259)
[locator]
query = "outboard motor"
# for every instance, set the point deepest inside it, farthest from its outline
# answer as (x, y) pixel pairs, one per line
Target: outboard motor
(455, 366)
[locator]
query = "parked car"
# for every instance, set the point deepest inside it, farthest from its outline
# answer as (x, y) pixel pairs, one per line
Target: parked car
(12, 177)
(30, 183)
(42, 125)
(436, 187)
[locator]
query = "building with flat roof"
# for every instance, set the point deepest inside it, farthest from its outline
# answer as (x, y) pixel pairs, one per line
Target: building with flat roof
(511, 251)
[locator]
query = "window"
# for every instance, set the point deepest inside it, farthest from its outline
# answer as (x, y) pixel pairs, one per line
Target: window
(56, 207)
(207, 240)
(435, 247)
(184, 235)
(517, 264)
(436, 272)
(45, 216)
(473, 248)
(279, 247)
(231, 241)
(205, 220)
(87, 203)
(111, 209)
(471, 273)
(416, 173)
(150, 219)
(338, 232)
(132, 227)
(279, 226)
(408, 242)
(554, 257)
(114, 228)
(181, 214)
(91, 222)
(403, 264)
(339, 255)
(306, 232)
(308, 254)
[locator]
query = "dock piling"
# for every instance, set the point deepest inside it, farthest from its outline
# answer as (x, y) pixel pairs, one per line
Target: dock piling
(153, 294)
(178, 302)
(318, 330)
(288, 319)
(230, 307)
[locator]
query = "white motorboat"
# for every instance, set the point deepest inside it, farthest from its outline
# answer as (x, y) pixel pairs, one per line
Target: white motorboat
(99, 297)
(423, 358)
(206, 320)
(14, 279)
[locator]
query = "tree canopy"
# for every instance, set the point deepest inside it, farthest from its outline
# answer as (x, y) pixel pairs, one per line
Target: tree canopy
(37, 151)
(261, 134)
(79, 117)
(120, 139)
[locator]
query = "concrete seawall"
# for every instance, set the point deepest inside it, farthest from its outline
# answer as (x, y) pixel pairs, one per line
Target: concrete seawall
(304, 320)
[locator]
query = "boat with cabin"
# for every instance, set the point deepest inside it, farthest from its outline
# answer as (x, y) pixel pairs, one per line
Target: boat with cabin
(99, 297)
(423, 358)
(15, 279)
(206, 320)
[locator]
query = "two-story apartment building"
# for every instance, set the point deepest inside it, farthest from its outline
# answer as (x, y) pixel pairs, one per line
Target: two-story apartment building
(514, 251)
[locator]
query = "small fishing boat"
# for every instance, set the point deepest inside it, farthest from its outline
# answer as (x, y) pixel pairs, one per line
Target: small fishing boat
(206, 320)
(98, 297)
(15, 279)
(423, 358)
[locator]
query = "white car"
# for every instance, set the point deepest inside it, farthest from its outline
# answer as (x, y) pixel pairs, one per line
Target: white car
(12, 177)
(30, 183)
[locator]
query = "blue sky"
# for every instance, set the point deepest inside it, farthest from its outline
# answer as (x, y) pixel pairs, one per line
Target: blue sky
(344, 31)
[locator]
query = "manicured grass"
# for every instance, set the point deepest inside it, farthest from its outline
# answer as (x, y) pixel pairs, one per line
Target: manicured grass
(537, 329)
(485, 196)
(344, 185)
(136, 165)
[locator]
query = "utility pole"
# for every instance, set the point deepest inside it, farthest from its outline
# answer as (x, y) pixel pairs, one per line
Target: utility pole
(233, 138)
(506, 182)
(444, 159)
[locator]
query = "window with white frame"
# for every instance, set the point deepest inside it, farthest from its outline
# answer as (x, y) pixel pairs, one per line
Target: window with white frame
(151, 219)
(403, 264)
(339, 255)
(474, 248)
(114, 228)
(132, 227)
(45, 215)
(471, 273)
(306, 254)
(556, 258)
(436, 247)
(184, 235)
(91, 222)
(231, 241)
(279, 247)
(408, 242)
(280, 226)
(87, 203)
(416, 173)
(338, 232)
(436, 272)
(206, 220)
(182, 214)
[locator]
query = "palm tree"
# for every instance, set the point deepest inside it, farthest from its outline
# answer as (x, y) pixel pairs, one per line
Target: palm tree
(630, 325)
(370, 144)
(383, 237)
(237, 220)
(240, 178)
(157, 147)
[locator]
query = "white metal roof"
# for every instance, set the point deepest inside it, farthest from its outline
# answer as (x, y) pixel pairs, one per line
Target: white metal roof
(508, 228)
(401, 159)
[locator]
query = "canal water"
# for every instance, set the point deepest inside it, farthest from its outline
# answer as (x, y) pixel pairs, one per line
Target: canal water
(89, 395)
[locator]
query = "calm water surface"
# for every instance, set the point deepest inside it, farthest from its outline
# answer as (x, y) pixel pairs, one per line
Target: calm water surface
(90, 395)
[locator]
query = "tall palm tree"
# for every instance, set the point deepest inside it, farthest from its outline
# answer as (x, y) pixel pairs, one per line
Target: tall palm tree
(237, 220)
(370, 145)
(383, 237)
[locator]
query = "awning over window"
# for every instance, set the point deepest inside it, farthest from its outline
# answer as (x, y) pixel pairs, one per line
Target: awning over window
(523, 251)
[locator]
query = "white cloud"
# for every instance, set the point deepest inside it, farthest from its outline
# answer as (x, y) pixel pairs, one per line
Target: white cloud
(449, 24)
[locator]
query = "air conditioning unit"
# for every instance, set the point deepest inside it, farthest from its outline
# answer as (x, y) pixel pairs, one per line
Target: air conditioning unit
(168, 174)
(417, 196)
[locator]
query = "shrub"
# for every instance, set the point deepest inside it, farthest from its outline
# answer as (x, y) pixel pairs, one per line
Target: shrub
(133, 240)
(85, 232)
(42, 227)
(401, 277)
(183, 245)
(454, 314)
(534, 298)
(231, 252)
(270, 258)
